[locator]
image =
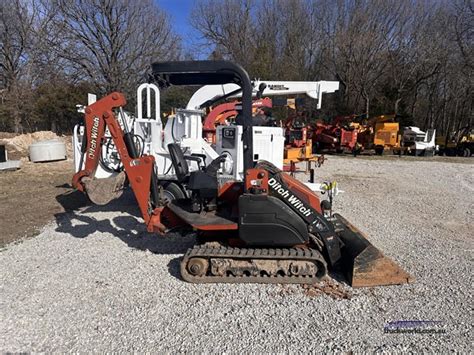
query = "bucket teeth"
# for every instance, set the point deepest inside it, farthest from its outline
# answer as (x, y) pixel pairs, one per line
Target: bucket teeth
(363, 263)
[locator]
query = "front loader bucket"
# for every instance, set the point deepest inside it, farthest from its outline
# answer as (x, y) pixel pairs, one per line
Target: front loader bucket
(363, 263)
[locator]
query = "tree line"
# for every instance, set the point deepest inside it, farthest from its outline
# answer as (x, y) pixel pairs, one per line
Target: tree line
(55, 51)
(411, 58)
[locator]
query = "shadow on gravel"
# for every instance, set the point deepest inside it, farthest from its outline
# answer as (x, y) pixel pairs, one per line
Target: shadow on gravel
(174, 268)
(75, 200)
(77, 221)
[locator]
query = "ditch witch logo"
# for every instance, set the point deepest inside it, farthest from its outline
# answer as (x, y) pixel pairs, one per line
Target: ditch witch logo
(288, 196)
(94, 134)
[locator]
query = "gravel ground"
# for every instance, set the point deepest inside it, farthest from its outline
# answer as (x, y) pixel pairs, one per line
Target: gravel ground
(96, 281)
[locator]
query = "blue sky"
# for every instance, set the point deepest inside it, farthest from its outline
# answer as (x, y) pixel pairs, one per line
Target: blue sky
(180, 11)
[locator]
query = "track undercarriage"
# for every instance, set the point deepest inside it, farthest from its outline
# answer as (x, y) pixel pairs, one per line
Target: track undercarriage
(211, 262)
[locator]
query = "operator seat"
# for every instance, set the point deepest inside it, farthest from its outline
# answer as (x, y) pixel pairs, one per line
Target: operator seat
(179, 162)
(203, 182)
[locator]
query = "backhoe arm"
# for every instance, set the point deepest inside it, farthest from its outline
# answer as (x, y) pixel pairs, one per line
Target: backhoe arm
(139, 170)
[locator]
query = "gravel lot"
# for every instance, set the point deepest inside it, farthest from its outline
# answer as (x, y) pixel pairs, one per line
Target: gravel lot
(94, 280)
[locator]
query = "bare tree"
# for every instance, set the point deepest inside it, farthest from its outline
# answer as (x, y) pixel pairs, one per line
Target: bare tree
(413, 57)
(464, 30)
(16, 24)
(228, 24)
(268, 37)
(111, 43)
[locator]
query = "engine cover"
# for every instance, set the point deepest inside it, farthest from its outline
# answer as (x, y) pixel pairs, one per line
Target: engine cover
(267, 221)
(303, 202)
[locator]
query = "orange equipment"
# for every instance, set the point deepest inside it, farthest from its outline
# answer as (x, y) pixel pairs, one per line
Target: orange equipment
(269, 228)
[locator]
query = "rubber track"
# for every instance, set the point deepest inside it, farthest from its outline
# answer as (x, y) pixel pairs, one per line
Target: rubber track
(207, 252)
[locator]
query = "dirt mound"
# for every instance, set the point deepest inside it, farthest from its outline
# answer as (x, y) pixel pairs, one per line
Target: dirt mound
(328, 287)
(17, 145)
(6, 135)
(23, 141)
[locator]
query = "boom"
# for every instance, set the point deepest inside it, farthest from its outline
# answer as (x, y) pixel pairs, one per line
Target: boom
(313, 89)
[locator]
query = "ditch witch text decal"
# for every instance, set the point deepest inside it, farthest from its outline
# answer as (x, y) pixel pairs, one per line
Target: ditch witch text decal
(94, 135)
(291, 199)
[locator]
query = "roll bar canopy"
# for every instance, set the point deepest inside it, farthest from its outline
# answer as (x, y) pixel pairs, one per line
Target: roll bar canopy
(209, 72)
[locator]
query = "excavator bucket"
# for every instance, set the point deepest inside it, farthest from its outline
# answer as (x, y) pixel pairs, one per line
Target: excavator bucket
(102, 191)
(363, 263)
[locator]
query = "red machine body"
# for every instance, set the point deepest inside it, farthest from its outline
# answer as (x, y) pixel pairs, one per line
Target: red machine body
(338, 136)
(221, 113)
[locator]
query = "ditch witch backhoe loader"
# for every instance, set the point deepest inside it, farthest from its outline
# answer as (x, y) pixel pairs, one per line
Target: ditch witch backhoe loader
(269, 228)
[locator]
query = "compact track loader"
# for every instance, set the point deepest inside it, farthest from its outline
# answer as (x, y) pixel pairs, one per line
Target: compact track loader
(269, 228)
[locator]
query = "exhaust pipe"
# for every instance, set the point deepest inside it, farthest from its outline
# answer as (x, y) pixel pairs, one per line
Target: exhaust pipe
(364, 264)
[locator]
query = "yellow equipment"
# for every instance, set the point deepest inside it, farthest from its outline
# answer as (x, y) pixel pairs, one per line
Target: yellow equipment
(380, 133)
(386, 134)
(459, 143)
(297, 154)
